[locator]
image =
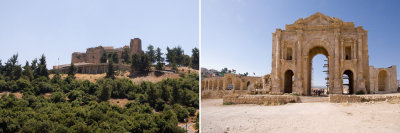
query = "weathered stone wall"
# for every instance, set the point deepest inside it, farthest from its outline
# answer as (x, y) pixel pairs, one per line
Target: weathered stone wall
(344, 45)
(90, 68)
(337, 98)
(135, 46)
(260, 99)
(389, 82)
(217, 87)
(215, 94)
(93, 55)
(78, 57)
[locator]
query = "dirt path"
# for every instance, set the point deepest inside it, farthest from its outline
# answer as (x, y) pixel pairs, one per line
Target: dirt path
(300, 117)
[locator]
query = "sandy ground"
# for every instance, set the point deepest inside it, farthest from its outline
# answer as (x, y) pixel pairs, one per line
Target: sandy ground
(120, 102)
(16, 94)
(300, 117)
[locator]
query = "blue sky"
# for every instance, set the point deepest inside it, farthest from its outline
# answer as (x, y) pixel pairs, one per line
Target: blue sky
(238, 34)
(59, 28)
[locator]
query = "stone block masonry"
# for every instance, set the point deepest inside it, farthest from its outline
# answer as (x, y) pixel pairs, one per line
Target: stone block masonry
(260, 99)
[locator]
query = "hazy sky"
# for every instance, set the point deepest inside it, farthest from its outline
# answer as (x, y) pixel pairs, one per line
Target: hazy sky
(238, 33)
(59, 28)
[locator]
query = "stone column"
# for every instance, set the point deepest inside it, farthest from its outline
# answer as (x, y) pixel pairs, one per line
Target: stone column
(298, 51)
(276, 51)
(361, 80)
(305, 74)
(335, 86)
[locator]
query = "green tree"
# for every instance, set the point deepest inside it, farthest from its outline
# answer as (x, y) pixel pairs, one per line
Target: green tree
(145, 63)
(110, 71)
(34, 67)
(115, 57)
(186, 60)
(140, 63)
(195, 59)
(10, 68)
(57, 97)
(28, 71)
(1, 67)
(135, 63)
(105, 93)
(17, 72)
(224, 70)
(179, 55)
(152, 94)
(72, 70)
(159, 59)
(42, 68)
(103, 58)
(151, 53)
(165, 92)
(170, 56)
(125, 56)
(181, 112)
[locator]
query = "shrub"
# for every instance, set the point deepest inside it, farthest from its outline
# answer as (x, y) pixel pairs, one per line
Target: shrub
(75, 94)
(23, 83)
(3, 85)
(181, 112)
(228, 103)
(159, 104)
(57, 97)
(192, 111)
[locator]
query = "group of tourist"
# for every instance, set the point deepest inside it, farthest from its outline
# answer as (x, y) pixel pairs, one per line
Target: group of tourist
(318, 92)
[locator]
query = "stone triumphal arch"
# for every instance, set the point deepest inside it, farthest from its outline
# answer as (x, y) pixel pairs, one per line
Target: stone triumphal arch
(344, 45)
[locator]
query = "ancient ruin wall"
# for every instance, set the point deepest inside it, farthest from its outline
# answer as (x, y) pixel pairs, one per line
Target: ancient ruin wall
(344, 45)
(383, 80)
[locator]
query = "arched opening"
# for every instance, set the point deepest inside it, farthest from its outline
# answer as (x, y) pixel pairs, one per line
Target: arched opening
(382, 81)
(318, 70)
(237, 84)
(348, 87)
(220, 84)
(289, 77)
(229, 84)
(215, 85)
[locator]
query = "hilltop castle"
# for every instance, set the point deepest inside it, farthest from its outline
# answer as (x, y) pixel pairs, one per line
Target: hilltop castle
(90, 61)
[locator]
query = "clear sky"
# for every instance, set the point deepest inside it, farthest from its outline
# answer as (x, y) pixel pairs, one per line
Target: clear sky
(59, 28)
(238, 33)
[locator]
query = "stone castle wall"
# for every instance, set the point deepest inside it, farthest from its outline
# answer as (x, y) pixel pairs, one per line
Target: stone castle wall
(93, 55)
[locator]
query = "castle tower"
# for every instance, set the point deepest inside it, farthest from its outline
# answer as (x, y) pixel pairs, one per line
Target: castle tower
(135, 46)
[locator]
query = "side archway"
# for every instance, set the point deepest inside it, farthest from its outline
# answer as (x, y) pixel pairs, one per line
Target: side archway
(289, 78)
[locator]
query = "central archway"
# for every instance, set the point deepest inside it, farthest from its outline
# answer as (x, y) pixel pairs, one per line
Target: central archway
(312, 53)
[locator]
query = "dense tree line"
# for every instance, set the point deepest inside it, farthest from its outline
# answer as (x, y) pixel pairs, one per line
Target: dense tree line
(82, 106)
(175, 57)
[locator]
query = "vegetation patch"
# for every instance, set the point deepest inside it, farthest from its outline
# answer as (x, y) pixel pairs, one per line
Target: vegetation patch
(83, 106)
(228, 103)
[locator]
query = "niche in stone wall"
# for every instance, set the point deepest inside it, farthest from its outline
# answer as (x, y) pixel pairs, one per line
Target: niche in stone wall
(289, 54)
(347, 53)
